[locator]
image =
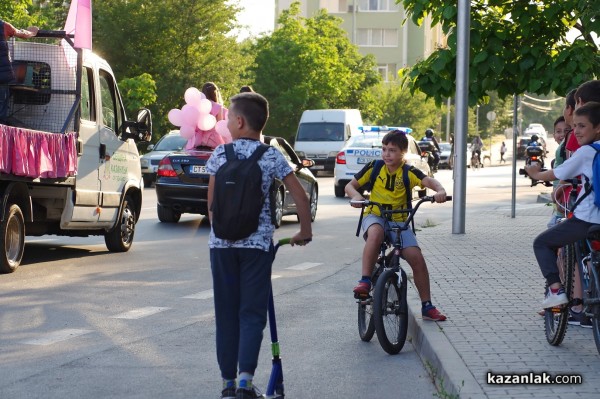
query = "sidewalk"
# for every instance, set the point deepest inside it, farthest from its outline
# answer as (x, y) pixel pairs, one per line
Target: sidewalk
(488, 283)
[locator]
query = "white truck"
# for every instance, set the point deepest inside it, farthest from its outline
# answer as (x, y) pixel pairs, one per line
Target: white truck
(323, 132)
(69, 164)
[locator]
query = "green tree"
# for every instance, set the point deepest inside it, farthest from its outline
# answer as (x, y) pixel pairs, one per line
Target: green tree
(309, 63)
(516, 47)
(138, 92)
(179, 43)
(398, 107)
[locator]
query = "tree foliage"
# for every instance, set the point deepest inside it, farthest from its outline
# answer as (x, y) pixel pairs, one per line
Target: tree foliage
(178, 43)
(397, 106)
(516, 47)
(138, 92)
(309, 63)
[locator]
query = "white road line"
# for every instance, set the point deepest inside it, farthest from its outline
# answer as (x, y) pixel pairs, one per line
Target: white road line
(139, 313)
(56, 336)
(201, 295)
(274, 276)
(303, 266)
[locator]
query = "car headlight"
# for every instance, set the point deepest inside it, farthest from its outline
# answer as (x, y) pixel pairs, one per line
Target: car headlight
(144, 162)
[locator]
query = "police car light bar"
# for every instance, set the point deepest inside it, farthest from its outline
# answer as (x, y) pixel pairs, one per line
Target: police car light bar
(365, 129)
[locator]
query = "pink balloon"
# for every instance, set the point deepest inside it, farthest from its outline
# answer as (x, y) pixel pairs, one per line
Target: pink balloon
(207, 122)
(205, 106)
(175, 116)
(187, 131)
(190, 115)
(193, 96)
(221, 128)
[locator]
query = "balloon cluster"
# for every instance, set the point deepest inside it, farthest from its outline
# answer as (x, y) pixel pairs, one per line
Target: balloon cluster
(195, 115)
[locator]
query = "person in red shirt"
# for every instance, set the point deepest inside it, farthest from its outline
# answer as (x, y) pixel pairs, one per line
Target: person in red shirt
(588, 91)
(7, 75)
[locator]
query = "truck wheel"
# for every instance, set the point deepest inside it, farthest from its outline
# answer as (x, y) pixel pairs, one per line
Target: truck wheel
(167, 215)
(12, 244)
(120, 238)
(148, 181)
(340, 191)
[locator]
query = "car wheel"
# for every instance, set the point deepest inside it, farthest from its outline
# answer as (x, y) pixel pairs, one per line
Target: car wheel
(278, 206)
(120, 237)
(339, 191)
(314, 199)
(167, 215)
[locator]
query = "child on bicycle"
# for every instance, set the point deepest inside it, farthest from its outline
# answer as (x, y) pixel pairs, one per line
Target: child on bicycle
(586, 123)
(389, 189)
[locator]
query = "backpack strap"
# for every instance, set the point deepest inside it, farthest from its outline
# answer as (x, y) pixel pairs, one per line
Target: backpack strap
(377, 165)
(588, 186)
(229, 152)
(258, 152)
(406, 181)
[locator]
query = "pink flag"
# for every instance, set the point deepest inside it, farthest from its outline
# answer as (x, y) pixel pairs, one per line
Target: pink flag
(79, 22)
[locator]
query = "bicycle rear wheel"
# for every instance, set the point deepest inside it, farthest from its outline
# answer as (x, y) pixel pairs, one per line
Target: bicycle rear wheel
(390, 311)
(555, 319)
(595, 309)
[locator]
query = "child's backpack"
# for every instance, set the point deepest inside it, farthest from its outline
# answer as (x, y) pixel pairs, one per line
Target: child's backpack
(238, 197)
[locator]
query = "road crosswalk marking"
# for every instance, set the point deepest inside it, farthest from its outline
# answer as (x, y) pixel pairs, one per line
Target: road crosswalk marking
(206, 294)
(56, 336)
(139, 313)
(303, 266)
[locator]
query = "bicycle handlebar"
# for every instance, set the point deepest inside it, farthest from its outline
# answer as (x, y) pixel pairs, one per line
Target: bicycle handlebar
(386, 213)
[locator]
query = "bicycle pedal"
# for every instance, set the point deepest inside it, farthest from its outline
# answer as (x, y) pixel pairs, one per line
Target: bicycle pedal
(361, 297)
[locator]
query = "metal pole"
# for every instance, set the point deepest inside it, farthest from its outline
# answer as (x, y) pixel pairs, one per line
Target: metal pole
(461, 117)
(448, 119)
(514, 159)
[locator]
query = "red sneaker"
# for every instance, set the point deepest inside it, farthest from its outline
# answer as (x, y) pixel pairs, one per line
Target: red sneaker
(431, 313)
(362, 289)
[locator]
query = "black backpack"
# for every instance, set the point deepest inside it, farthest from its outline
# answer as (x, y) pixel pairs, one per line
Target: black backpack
(238, 197)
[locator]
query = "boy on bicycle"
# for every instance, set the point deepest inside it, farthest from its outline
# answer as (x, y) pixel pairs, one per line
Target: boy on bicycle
(586, 123)
(389, 189)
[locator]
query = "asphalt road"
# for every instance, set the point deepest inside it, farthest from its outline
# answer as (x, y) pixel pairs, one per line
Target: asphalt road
(78, 321)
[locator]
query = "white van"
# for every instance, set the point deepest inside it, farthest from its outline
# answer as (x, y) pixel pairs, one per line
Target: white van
(323, 132)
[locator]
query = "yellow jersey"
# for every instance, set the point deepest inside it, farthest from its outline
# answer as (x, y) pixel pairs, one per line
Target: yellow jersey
(388, 189)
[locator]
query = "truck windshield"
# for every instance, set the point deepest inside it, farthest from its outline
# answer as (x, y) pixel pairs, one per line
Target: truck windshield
(320, 131)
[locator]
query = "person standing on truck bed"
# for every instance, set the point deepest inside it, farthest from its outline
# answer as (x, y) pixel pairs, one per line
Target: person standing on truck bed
(7, 75)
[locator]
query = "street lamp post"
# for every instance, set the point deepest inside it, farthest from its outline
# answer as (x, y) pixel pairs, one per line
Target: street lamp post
(477, 122)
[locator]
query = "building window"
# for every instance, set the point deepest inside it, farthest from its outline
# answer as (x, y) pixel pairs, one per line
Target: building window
(335, 6)
(387, 72)
(377, 37)
(377, 5)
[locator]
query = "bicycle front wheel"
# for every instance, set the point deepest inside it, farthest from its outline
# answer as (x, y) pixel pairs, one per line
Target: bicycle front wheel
(555, 319)
(390, 311)
(366, 326)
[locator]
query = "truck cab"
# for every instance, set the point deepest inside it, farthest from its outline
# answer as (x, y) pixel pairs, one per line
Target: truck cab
(84, 177)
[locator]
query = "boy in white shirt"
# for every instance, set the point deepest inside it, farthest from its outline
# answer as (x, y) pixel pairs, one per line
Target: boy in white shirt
(586, 123)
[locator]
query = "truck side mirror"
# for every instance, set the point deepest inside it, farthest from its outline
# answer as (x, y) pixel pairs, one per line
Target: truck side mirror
(141, 129)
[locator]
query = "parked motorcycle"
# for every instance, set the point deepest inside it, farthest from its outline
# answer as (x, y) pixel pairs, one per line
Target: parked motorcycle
(535, 153)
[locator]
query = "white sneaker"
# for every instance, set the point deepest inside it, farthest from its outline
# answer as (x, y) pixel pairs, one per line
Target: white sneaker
(552, 300)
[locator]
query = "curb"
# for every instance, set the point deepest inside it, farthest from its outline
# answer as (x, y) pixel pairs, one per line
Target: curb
(442, 361)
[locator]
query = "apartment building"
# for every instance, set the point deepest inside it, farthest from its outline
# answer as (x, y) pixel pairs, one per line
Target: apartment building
(376, 27)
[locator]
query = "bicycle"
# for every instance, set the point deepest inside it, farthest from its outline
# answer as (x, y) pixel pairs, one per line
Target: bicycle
(585, 255)
(385, 309)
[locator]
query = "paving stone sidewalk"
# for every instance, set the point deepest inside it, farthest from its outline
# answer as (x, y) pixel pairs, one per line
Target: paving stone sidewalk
(488, 283)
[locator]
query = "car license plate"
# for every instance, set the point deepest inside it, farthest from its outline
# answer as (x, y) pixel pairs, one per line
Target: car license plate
(364, 160)
(318, 167)
(198, 169)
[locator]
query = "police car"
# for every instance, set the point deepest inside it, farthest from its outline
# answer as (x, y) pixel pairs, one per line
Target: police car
(364, 147)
